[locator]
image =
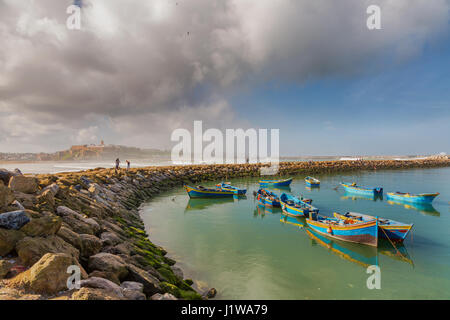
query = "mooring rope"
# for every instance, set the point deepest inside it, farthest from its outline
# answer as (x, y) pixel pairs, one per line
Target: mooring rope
(399, 253)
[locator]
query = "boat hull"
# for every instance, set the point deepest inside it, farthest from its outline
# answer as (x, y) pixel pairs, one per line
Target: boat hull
(363, 233)
(227, 187)
(198, 193)
(312, 182)
(411, 198)
(294, 211)
(362, 191)
(395, 232)
(275, 183)
(267, 202)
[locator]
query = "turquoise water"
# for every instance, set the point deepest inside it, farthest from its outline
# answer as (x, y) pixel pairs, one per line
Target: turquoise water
(246, 252)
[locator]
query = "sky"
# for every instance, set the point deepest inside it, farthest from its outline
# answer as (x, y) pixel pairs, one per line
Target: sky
(137, 70)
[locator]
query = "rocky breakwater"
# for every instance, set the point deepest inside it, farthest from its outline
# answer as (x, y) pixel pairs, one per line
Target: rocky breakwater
(90, 220)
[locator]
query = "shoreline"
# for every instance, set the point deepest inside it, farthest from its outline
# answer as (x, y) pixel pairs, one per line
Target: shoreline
(92, 219)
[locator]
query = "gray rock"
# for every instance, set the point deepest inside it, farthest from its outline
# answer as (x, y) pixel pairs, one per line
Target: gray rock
(132, 285)
(101, 283)
(109, 263)
(134, 295)
(211, 293)
(23, 184)
(178, 272)
(14, 219)
(165, 296)
(109, 239)
(151, 284)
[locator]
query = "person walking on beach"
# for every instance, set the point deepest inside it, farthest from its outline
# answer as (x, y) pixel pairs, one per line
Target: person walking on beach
(128, 165)
(117, 164)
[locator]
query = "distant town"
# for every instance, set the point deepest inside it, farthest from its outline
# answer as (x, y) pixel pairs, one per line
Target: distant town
(86, 152)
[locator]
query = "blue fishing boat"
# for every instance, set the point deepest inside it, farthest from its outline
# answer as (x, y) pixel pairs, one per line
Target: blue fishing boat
(414, 198)
(202, 192)
(387, 228)
(275, 183)
(355, 189)
(363, 232)
(312, 182)
(226, 186)
(267, 198)
(293, 206)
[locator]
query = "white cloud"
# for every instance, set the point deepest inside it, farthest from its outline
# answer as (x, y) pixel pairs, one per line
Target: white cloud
(146, 67)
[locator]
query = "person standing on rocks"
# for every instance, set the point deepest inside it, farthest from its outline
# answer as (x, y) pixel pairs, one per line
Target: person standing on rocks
(128, 165)
(117, 164)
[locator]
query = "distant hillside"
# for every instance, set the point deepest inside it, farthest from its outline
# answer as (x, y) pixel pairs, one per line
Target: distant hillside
(87, 152)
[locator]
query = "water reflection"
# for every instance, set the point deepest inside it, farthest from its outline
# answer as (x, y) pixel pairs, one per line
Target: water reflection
(425, 208)
(353, 252)
(399, 252)
(262, 210)
(296, 221)
(354, 197)
(280, 189)
(362, 255)
(202, 204)
(317, 188)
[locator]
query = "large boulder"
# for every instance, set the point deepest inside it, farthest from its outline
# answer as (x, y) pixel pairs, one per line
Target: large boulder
(165, 296)
(109, 263)
(90, 245)
(94, 294)
(151, 283)
(48, 275)
(30, 250)
(28, 201)
(78, 222)
(5, 175)
(8, 240)
(70, 237)
(43, 226)
(5, 266)
(110, 238)
(101, 283)
(48, 197)
(24, 184)
(133, 290)
(6, 196)
(13, 220)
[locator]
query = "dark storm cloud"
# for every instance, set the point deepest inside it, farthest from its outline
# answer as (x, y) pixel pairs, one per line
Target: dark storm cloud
(148, 67)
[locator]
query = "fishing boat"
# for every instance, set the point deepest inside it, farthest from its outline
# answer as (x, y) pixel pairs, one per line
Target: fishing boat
(363, 232)
(355, 189)
(295, 207)
(387, 228)
(202, 192)
(415, 198)
(228, 187)
(267, 198)
(312, 182)
(275, 183)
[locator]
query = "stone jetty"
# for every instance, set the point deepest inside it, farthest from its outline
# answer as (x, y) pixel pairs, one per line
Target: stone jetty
(56, 227)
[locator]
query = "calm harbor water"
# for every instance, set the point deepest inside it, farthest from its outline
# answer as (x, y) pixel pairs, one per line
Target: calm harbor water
(246, 252)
